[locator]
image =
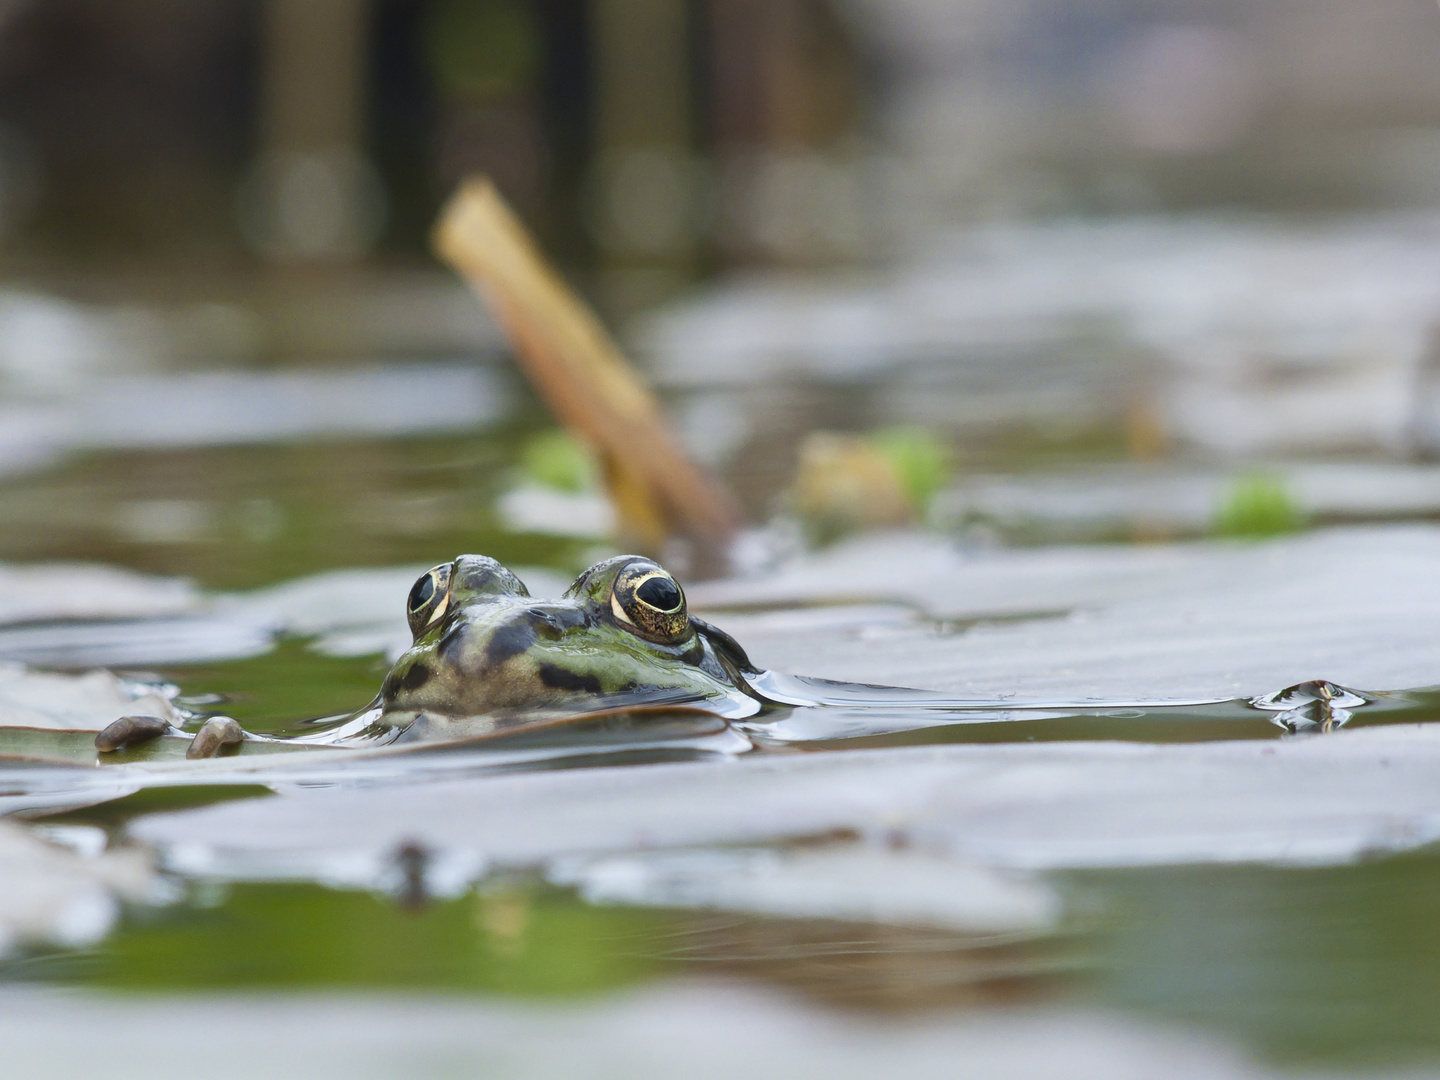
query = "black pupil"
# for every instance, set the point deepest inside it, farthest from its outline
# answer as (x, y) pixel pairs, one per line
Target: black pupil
(421, 594)
(660, 593)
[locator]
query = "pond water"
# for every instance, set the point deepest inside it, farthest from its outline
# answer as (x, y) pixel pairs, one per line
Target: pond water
(1130, 796)
(1353, 982)
(1307, 949)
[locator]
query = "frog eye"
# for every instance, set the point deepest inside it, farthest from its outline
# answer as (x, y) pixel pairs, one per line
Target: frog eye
(429, 599)
(651, 603)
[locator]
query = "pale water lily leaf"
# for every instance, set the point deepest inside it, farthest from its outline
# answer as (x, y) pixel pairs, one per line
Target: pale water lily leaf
(537, 509)
(1022, 806)
(1359, 607)
(51, 701)
(136, 642)
(1141, 499)
(674, 1029)
(66, 895)
(854, 883)
(325, 602)
(55, 591)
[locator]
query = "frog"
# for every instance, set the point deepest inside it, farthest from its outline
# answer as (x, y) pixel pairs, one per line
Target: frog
(487, 658)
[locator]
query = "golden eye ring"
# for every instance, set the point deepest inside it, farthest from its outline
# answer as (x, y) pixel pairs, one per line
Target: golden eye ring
(650, 603)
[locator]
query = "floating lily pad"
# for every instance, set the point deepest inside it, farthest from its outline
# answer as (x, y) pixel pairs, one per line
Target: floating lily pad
(1044, 806)
(59, 895)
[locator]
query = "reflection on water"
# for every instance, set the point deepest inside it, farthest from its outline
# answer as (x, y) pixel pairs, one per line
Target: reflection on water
(1328, 966)
(1312, 706)
(525, 942)
(532, 940)
(886, 968)
(1308, 965)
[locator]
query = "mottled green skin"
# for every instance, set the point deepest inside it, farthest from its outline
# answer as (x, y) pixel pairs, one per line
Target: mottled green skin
(499, 654)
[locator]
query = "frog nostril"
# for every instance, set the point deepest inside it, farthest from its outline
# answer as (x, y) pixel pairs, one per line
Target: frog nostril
(546, 625)
(552, 623)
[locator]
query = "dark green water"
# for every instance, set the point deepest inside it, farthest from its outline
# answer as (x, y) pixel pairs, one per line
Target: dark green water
(1337, 966)
(1308, 965)
(255, 515)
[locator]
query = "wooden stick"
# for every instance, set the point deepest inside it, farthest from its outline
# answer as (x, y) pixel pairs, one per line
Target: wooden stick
(580, 374)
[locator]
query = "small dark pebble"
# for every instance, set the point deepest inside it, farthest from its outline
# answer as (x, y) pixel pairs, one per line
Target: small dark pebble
(129, 730)
(216, 732)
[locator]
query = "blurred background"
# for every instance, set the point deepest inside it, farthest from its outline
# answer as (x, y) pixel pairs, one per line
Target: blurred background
(1035, 270)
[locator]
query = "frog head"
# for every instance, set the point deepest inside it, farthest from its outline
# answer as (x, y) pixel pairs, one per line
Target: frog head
(620, 637)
